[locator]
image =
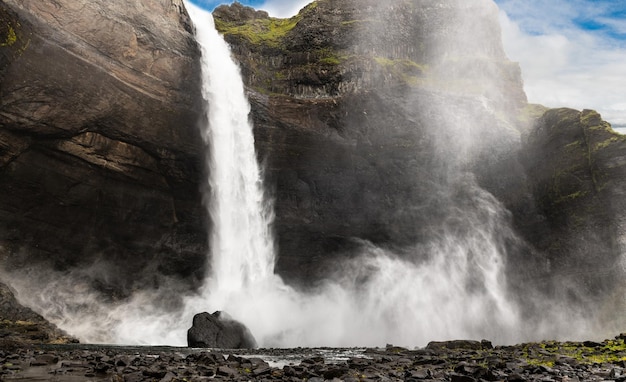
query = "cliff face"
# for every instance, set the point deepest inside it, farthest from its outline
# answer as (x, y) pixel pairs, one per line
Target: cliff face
(99, 154)
(578, 167)
(367, 115)
(371, 118)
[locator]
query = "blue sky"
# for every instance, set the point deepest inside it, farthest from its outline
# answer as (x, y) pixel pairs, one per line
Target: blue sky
(572, 52)
(276, 8)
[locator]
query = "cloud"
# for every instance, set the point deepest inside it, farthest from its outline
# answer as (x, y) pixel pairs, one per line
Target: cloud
(276, 8)
(571, 53)
(284, 8)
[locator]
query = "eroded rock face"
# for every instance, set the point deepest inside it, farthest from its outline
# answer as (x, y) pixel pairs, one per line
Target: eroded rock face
(578, 167)
(369, 115)
(99, 150)
(21, 326)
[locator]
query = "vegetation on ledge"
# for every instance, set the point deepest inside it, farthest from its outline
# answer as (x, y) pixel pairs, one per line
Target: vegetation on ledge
(11, 37)
(405, 70)
(268, 31)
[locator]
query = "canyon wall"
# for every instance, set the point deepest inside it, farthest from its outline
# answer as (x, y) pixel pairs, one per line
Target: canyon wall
(100, 156)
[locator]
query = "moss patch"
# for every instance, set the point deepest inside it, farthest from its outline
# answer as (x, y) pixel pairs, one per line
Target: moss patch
(11, 37)
(405, 70)
(547, 353)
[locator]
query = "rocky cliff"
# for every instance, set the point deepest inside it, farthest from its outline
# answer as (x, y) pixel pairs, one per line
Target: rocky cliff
(577, 163)
(365, 113)
(375, 120)
(100, 159)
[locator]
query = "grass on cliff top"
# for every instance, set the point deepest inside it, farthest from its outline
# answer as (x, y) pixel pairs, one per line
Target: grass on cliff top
(260, 31)
(269, 31)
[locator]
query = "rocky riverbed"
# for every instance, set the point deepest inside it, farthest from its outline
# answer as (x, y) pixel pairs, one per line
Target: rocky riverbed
(457, 361)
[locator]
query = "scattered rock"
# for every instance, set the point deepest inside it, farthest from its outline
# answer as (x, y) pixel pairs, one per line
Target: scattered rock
(517, 363)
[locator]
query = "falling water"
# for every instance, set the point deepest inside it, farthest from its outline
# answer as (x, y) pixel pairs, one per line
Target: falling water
(241, 241)
(402, 300)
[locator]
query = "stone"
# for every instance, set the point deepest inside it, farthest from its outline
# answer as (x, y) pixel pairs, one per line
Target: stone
(458, 344)
(44, 359)
(218, 330)
(461, 378)
(335, 372)
(418, 374)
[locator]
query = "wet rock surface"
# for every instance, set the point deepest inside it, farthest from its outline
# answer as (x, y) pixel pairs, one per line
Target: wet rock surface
(355, 106)
(219, 330)
(546, 361)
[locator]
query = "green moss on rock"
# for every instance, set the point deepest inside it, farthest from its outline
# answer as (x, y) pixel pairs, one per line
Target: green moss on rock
(405, 70)
(11, 37)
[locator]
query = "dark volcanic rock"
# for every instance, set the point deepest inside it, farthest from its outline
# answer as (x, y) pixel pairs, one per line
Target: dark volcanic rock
(361, 109)
(524, 362)
(238, 13)
(99, 150)
(218, 330)
(21, 326)
(577, 167)
(460, 344)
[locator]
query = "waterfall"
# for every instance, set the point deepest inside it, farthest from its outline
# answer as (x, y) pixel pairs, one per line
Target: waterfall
(458, 293)
(241, 241)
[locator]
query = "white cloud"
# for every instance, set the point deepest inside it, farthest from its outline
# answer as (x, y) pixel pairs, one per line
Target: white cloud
(618, 25)
(284, 8)
(563, 65)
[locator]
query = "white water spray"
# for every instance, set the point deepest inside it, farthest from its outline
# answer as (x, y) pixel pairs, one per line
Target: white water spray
(241, 241)
(398, 301)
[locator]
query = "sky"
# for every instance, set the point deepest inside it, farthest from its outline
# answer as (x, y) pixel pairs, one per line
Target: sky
(572, 52)
(276, 8)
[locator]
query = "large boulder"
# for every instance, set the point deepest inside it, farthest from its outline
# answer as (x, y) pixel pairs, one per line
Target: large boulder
(219, 330)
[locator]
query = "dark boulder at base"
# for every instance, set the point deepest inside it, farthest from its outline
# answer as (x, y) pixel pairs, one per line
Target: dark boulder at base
(219, 330)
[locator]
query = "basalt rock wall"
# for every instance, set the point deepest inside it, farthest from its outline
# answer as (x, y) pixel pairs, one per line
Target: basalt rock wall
(373, 120)
(577, 163)
(369, 117)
